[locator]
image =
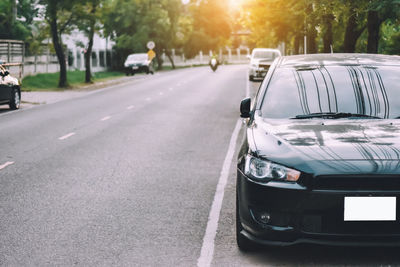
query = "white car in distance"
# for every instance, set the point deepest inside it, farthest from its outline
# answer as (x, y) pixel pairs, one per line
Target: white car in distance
(260, 61)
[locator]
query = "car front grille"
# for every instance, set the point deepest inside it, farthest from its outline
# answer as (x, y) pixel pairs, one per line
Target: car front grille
(357, 182)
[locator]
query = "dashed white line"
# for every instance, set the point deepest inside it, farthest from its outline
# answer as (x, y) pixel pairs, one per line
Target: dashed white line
(207, 249)
(66, 136)
(6, 164)
(130, 107)
(106, 118)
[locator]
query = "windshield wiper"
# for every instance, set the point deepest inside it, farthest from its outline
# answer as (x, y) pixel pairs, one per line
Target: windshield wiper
(334, 115)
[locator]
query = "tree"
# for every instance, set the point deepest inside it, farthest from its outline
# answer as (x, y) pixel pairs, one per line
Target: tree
(88, 15)
(211, 27)
(16, 18)
(59, 16)
(379, 12)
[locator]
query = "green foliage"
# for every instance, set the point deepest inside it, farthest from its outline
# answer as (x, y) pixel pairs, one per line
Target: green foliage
(322, 21)
(17, 28)
(211, 27)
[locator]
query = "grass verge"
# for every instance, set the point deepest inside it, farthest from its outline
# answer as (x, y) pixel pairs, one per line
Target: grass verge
(49, 81)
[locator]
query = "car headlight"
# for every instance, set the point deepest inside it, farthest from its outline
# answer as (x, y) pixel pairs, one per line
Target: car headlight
(264, 171)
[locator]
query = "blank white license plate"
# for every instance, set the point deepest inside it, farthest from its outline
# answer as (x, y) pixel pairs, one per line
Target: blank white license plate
(370, 208)
(135, 67)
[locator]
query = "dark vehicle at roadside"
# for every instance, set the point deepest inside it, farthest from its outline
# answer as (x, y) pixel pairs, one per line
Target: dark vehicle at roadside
(10, 89)
(321, 159)
(137, 63)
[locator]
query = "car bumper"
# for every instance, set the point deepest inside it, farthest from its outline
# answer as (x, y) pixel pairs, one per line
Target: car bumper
(137, 69)
(299, 215)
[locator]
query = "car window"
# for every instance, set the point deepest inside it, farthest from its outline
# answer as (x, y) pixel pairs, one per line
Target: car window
(373, 91)
(138, 57)
(265, 55)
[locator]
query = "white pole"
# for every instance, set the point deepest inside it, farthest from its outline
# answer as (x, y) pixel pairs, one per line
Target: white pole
(305, 44)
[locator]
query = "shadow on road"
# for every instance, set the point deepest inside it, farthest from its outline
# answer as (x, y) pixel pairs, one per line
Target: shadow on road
(325, 255)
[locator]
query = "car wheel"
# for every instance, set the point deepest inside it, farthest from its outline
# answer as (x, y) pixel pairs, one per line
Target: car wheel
(251, 78)
(15, 98)
(243, 243)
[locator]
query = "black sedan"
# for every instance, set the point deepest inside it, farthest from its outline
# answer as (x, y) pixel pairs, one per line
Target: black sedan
(321, 159)
(10, 91)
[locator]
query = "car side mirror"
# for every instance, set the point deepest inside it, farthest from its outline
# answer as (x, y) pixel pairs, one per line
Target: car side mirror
(245, 108)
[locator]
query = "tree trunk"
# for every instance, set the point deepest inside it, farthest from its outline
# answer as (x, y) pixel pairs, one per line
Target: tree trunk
(373, 26)
(352, 31)
(170, 58)
(297, 40)
(328, 34)
(88, 54)
(57, 43)
(159, 59)
(311, 40)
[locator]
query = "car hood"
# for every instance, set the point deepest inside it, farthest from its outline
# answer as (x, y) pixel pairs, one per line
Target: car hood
(9, 80)
(345, 146)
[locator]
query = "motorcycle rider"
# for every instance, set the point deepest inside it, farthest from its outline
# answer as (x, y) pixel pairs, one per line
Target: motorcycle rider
(213, 62)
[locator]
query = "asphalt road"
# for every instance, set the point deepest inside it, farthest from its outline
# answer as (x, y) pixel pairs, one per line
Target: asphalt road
(127, 176)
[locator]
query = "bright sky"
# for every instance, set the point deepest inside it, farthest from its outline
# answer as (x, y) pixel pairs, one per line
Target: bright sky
(235, 4)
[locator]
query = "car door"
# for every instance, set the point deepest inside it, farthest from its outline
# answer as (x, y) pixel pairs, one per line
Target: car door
(5, 89)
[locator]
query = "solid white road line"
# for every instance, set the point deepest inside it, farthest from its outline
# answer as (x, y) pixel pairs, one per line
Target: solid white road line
(130, 107)
(6, 164)
(66, 136)
(207, 249)
(247, 85)
(106, 118)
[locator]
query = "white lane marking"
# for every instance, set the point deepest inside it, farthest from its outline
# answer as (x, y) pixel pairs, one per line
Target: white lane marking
(6, 164)
(106, 118)
(66, 136)
(148, 99)
(161, 93)
(247, 85)
(130, 107)
(207, 249)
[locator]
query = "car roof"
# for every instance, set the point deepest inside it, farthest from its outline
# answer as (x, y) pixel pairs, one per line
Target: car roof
(312, 60)
(266, 49)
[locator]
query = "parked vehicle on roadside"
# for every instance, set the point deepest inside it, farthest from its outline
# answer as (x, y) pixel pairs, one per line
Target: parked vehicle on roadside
(260, 61)
(320, 160)
(10, 89)
(136, 63)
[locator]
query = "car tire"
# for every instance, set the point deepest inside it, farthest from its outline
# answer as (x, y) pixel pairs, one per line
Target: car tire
(243, 243)
(15, 101)
(251, 78)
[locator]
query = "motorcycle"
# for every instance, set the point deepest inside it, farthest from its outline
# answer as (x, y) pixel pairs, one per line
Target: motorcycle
(214, 64)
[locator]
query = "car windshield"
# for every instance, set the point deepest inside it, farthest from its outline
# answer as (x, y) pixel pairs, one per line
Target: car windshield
(137, 57)
(363, 90)
(265, 55)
